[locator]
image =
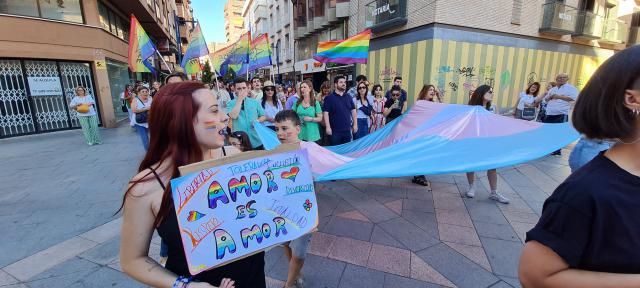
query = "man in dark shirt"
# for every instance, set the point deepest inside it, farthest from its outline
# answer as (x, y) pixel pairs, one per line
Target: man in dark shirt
(394, 110)
(339, 113)
(397, 81)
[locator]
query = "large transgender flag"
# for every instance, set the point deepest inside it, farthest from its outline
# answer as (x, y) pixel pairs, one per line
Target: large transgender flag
(434, 138)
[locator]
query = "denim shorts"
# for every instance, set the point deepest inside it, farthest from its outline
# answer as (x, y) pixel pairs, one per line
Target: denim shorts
(584, 151)
(300, 246)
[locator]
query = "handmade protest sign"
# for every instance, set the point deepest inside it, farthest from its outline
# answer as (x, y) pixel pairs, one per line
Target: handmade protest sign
(237, 207)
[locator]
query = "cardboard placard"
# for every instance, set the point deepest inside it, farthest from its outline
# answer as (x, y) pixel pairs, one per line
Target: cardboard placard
(237, 206)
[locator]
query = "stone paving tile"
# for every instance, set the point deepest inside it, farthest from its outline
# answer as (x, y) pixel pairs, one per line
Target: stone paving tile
(393, 281)
(503, 255)
(390, 259)
(104, 232)
(321, 244)
(473, 253)
(425, 220)
(501, 284)
(64, 274)
(521, 229)
(16, 286)
(349, 228)
(543, 181)
(447, 201)
(419, 193)
(455, 217)
(107, 277)
(457, 268)
(368, 206)
(484, 210)
(521, 217)
(418, 205)
(6, 279)
(497, 231)
(458, 234)
(351, 251)
(386, 200)
(106, 253)
(26, 268)
(422, 271)
(379, 236)
(354, 215)
(395, 206)
(322, 272)
(361, 277)
(514, 282)
(410, 235)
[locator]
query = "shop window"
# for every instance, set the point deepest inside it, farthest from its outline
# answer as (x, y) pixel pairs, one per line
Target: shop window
(19, 7)
(61, 10)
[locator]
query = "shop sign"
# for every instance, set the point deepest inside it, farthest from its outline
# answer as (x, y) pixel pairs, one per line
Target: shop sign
(310, 66)
(44, 86)
(101, 65)
(385, 14)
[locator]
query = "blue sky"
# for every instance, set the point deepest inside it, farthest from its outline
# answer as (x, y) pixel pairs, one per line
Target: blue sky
(210, 14)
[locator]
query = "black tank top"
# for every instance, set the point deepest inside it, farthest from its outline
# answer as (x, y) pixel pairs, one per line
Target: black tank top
(247, 272)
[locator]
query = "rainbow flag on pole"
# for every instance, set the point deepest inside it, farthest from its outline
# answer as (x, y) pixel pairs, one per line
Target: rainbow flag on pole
(238, 56)
(354, 49)
(196, 49)
(140, 48)
(260, 54)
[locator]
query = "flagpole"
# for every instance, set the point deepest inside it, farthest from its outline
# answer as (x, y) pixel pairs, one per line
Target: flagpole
(165, 62)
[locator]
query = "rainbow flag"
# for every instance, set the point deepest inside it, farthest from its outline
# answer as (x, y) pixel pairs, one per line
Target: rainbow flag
(238, 56)
(354, 49)
(260, 54)
(219, 57)
(196, 49)
(140, 48)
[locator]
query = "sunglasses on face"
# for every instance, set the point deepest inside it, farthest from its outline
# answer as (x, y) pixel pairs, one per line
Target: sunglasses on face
(362, 87)
(395, 94)
(268, 89)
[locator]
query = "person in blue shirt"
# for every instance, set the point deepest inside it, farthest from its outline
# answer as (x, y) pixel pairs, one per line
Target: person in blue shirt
(340, 113)
(244, 110)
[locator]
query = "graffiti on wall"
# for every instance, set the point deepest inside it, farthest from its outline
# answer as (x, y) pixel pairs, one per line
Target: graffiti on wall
(387, 74)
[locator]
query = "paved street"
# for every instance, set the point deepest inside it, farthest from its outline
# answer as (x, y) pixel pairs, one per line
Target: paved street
(59, 197)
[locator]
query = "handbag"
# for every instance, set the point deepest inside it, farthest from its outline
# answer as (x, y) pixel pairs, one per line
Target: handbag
(123, 107)
(142, 117)
(529, 113)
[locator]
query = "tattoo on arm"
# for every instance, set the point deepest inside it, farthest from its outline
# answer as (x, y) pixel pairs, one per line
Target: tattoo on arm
(152, 264)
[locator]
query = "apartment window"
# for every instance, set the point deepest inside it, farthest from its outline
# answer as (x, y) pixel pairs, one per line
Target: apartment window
(587, 5)
(318, 10)
(112, 22)
(301, 14)
(286, 46)
(68, 10)
(332, 3)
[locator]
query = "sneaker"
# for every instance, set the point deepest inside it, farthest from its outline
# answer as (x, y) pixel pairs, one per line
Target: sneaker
(495, 196)
(471, 193)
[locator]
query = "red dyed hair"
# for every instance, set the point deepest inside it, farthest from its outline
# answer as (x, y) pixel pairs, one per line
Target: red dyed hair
(172, 136)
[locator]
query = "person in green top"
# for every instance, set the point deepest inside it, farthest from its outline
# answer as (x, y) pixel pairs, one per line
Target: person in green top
(309, 111)
(243, 111)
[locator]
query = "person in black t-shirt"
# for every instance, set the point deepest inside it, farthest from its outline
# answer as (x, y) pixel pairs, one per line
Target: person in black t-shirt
(394, 110)
(589, 231)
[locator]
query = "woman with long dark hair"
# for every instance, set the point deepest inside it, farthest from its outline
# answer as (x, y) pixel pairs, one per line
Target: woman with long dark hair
(483, 96)
(240, 140)
(588, 234)
(186, 124)
(270, 104)
(364, 110)
(429, 93)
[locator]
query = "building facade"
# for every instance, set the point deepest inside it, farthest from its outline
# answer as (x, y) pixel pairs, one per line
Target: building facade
(316, 21)
(459, 45)
(51, 47)
(233, 20)
(281, 34)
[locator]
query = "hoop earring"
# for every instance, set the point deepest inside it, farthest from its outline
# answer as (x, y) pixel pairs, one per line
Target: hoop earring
(636, 112)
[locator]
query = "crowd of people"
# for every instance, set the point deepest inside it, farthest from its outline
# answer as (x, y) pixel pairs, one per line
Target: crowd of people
(192, 122)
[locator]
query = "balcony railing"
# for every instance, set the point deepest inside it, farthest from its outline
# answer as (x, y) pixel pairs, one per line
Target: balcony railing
(615, 31)
(589, 25)
(634, 36)
(558, 19)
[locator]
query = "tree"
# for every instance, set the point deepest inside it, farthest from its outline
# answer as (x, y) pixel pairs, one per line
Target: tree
(207, 75)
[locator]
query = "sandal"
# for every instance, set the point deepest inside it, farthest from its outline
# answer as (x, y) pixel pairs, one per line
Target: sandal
(420, 180)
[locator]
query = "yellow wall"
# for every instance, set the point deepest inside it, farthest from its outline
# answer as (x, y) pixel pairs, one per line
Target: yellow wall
(456, 68)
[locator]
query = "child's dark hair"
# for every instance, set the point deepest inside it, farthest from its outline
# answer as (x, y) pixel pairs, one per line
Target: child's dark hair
(245, 142)
(285, 115)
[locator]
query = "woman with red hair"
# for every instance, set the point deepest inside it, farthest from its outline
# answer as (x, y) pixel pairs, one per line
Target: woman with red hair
(186, 126)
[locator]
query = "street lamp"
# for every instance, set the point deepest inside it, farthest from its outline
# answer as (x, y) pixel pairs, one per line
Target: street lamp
(178, 22)
(295, 78)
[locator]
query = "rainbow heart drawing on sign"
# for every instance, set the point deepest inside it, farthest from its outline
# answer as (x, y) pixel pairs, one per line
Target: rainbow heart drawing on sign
(194, 216)
(307, 205)
(291, 175)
